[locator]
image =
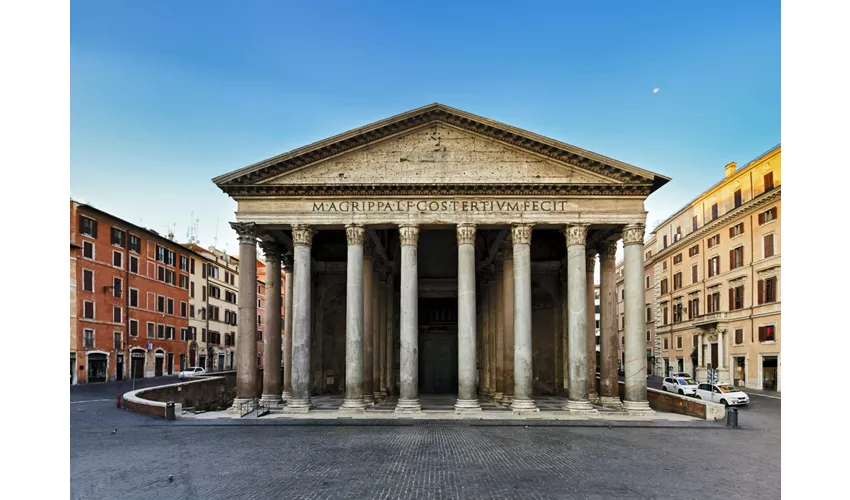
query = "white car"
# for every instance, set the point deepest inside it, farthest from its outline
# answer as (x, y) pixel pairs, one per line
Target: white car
(722, 393)
(679, 385)
(191, 372)
(681, 375)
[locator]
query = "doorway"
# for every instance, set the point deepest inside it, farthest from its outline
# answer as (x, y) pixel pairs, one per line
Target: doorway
(158, 362)
(714, 356)
(119, 367)
(170, 363)
(739, 376)
(438, 346)
(137, 364)
(221, 361)
(73, 366)
(97, 367)
(768, 373)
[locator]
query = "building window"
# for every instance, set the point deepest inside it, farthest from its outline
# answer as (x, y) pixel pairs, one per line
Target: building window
(714, 241)
(664, 245)
(664, 265)
(203, 293)
(135, 244)
(183, 309)
(768, 245)
(664, 313)
(713, 302)
(117, 259)
(134, 328)
(116, 287)
(623, 294)
(622, 321)
(116, 340)
(160, 331)
(736, 230)
(677, 312)
(191, 310)
(694, 223)
(134, 264)
(648, 336)
(694, 250)
(736, 298)
(739, 336)
(693, 308)
(203, 334)
(767, 290)
(666, 345)
(648, 255)
(170, 277)
(171, 306)
(677, 280)
(183, 335)
(767, 333)
(694, 273)
(648, 314)
(88, 338)
(160, 273)
(664, 286)
(767, 216)
(88, 280)
(151, 330)
(117, 237)
(116, 314)
(736, 258)
(768, 181)
(677, 259)
(192, 289)
(647, 282)
(259, 335)
(737, 198)
(259, 320)
(169, 332)
(714, 266)
(678, 235)
(88, 250)
(714, 211)
(192, 265)
(184, 281)
(184, 263)
(88, 309)
(88, 226)
(679, 342)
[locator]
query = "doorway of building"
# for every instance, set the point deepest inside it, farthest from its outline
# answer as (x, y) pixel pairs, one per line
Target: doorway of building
(202, 362)
(137, 364)
(97, 367)
(73, 366)
(680, 365)
(221, 361)
(714, 355)
(739, 375)
(768, 376)
(158, 362)
(119, 367)
(182, 362)
(170, 363)
(438, 345)
(667, 370)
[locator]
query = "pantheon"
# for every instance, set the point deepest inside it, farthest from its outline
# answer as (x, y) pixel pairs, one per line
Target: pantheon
(441, 252)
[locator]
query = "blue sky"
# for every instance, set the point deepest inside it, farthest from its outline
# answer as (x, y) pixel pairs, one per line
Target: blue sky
(167, 95)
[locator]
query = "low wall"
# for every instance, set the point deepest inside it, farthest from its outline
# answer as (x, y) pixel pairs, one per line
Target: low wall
(683, 405)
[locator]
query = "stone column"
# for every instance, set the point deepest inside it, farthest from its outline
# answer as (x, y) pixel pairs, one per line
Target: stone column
(592, 395)
(523, 373)
(609, 390)
(287, 327)
(565, 353)
(508, 321)
(376, 331)
(382, 329)
(499, 319)
(577, 319)
(486, 335)
(390, 334)
(353, 401)
(635, 396)
(699, 352)
(368, 322)
(721, 349)
(246, 329)
(272, 348)
(302, 240)
(467, 395)
(408, 401)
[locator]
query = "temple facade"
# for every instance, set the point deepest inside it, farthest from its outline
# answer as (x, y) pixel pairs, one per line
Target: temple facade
(442, 252)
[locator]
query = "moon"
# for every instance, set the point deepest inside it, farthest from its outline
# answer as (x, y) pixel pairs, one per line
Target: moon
(655, 90)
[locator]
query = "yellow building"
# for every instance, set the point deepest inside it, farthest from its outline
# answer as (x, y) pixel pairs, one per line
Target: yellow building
(715, 270)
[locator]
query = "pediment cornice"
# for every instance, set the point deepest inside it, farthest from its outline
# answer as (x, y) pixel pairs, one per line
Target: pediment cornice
(248, 178)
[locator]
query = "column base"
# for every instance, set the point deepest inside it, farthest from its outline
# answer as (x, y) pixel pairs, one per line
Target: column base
(383, 394)
(376, 396)
(299, 405)
(236, 407)
(581, 407)
(524, 406)
(270, 399)
(408, 407)
(638, 408)
(354, 405)
(611, 402)
(368, 399)
(467, 405)
(593, 397)
(285, 396)
(497, 397)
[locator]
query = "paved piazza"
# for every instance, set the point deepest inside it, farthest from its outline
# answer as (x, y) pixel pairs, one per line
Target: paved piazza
(278, 459)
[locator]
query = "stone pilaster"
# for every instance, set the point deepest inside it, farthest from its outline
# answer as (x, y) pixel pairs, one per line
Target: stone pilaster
(246, 329)
(508, 320)
(523, 373)
(467, 395)
(592, 394)
(286, 263)
(272, 345)
(408, 401)
(635, 400)
(577, 401)
(302, 240)
(353, 401)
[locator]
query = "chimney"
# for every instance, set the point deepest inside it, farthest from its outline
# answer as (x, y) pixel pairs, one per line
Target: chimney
(730, 169)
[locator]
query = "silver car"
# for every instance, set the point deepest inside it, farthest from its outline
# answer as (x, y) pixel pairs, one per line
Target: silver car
(679, 385)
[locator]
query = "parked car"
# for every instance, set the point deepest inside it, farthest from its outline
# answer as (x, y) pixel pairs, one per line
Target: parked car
(681, 375)
(679, 385)
(722, 393)
(191, 372)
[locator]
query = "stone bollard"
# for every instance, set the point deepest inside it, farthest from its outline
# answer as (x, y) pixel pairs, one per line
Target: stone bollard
(169, 410)
(732, 417)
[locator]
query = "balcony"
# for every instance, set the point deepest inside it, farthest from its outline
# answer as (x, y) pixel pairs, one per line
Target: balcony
(710, 319)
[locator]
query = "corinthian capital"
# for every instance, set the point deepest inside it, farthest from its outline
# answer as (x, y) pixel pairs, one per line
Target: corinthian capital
(355, 233)
(286, 260)
(302, 235)
(246, 232)
(271, 250)
(409, 234)
(608, 251)
(466, 234)
(591, 260)
(633, 234)
(576, 234)
(521, 234)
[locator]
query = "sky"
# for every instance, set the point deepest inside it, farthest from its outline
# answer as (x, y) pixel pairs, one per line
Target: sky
(167, 95)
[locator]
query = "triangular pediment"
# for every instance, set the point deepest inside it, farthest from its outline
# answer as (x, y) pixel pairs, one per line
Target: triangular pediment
(438, 145)
(439, 154)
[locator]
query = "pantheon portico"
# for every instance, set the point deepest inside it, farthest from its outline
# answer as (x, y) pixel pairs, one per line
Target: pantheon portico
(442, 252)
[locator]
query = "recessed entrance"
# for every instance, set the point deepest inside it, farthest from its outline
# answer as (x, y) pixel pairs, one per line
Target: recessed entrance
(438, 346)
(768, 376)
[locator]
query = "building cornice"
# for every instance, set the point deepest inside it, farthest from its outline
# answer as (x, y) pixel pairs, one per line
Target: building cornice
(716, 224)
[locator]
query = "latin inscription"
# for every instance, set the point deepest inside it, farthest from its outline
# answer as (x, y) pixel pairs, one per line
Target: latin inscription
(422, 206)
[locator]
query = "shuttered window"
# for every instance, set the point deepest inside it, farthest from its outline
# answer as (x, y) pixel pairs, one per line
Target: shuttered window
(768, 245)
(767, 215)
(768, 181)
(88, 280)
(736, 298)
(767, 290)
(88, 226)
(714, 211)
(736, 258)
(694, 273)
(738, 199)
(739, 336)
(767, 333)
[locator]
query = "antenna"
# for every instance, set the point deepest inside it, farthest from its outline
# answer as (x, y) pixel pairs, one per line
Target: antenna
(215, 240)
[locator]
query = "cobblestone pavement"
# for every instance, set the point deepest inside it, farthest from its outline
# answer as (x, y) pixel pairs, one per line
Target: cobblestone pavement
(452, 460)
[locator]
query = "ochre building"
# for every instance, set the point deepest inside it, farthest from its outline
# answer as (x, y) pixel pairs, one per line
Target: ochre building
(442, 252)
